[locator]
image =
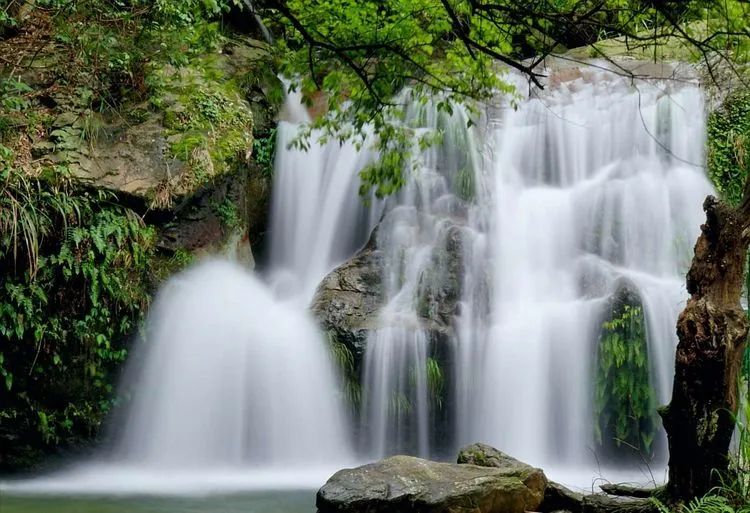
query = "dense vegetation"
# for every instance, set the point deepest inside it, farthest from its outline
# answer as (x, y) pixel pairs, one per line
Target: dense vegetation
(624, 397)
(75, 283)
(78, 264)
(361, 54)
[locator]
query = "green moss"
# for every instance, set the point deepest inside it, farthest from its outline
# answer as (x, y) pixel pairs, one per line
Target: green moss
(227, 212)
(480, 458)
(164, 266)
(728, 145)
(187, 143)
(204, 111)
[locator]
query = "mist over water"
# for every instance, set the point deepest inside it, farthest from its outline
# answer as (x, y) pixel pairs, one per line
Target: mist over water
(231, 377)
(500, 258)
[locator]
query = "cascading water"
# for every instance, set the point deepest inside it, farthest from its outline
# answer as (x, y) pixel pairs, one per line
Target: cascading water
(317, 217)
(234, 388)
(598, 189)
(504, 256)
(231, 377)
(421, 233)
(510, 247)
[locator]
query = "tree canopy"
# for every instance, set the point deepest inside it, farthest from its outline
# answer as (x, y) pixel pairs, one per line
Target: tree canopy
(360, 54)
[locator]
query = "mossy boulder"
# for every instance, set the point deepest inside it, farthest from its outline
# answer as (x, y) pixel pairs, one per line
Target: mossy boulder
(406, 483)
(484, 455)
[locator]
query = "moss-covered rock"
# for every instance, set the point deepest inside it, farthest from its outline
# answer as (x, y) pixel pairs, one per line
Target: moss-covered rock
(167, 141)
(484, 455)
(405, 483)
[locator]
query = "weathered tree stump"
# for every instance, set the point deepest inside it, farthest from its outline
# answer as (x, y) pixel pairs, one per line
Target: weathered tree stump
(712, 332)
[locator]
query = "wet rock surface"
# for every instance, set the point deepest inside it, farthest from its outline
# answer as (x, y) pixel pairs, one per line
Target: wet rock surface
(349, 298)
(405, 483)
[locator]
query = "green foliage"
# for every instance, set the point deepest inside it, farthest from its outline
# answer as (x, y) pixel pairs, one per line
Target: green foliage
(358, 55)
(12, 94)
(741, 457)
(713, 502)
(6, 20)
(75, 282)
(435, 383)
(728, 167)
(624, 402)
(728, 146)
(264, 152)
(112, 46)
(164, 266)
(13, 102)
(344, 360)
(210, 127)
(389, 45)
(228, 214)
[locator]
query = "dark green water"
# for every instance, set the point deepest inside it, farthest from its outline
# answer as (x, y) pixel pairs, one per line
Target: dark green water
(266, 502)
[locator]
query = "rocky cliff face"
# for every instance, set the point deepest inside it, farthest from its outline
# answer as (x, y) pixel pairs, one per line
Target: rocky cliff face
(129, 144)
(348, 300)
(179, 154)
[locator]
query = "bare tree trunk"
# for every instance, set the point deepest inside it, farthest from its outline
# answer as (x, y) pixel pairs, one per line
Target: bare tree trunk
(712, 332)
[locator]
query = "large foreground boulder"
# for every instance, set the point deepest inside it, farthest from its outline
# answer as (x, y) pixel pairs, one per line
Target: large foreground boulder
(405, 483)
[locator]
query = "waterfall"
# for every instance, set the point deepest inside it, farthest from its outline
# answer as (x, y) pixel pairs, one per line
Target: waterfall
(518, 245)
(233, 387)
(230, 377)
(318, 219)
(235, 374)
(505, 253)
(421, 235)
(598, 187)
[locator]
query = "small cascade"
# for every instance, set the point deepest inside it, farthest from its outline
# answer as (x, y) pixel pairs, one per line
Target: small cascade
(235, 374)
(230, 377)
(421, 237)
(318, 219)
